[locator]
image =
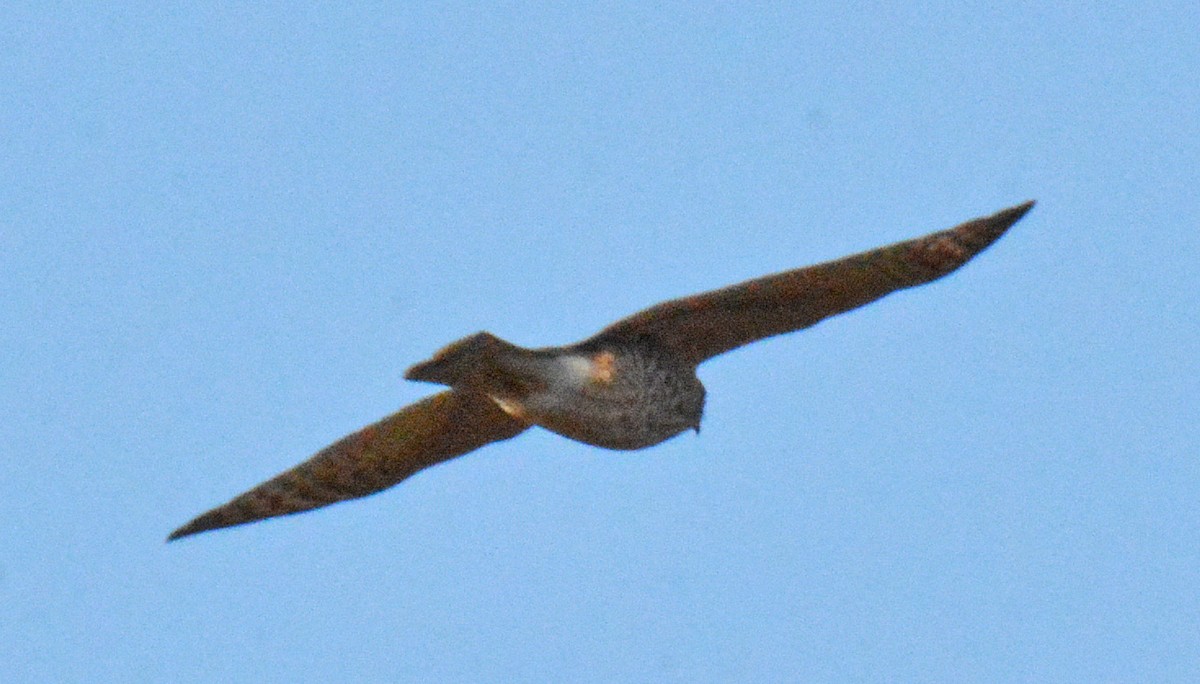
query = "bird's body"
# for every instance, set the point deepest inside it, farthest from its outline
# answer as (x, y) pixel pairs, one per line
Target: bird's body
(617, 396)
(624, 397)
(630, 386)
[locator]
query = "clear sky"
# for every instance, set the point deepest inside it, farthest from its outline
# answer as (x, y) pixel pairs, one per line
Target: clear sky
(226, 231)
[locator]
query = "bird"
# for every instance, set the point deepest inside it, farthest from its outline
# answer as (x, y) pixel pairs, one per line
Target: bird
(630, 386)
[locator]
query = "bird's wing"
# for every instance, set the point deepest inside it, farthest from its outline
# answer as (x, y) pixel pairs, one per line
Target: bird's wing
(433, 430)
(701, 326)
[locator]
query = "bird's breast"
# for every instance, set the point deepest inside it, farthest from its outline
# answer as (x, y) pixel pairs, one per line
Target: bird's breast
(612, 398)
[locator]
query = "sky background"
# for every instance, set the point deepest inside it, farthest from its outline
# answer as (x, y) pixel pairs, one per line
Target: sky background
(226, 231)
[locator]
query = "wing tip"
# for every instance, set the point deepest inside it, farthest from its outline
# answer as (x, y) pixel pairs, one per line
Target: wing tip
(218, 518)
(1009, 216)
(203, 523)
(977, 234)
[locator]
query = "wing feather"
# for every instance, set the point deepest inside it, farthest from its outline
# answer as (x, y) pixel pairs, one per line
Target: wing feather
(431, 431)
(699, 327)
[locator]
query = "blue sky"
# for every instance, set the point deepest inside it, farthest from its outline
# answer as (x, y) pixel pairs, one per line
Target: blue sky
(226, 231)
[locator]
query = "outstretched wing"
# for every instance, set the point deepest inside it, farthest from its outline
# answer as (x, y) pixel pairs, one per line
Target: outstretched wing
(702, 326)
(428, 432)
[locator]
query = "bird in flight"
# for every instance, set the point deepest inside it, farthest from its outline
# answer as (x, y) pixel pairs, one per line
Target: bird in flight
(630, 386)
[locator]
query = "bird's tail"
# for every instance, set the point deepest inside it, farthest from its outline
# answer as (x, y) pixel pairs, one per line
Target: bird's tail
(473, 362)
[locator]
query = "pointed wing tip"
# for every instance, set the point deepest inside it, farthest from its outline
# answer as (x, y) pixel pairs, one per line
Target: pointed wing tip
(1007, 217)
(212, 520)
(194, 527)
(981, 232)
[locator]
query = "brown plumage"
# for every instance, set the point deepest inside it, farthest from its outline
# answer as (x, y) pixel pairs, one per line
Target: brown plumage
(433, 430)
(630, 386)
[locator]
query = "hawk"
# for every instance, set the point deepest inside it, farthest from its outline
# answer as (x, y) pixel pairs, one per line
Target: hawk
(630, 386)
